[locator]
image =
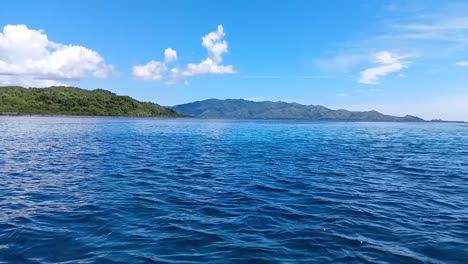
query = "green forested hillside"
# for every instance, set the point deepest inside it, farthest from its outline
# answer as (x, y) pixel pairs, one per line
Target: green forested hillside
(243, 109)
(75, 101)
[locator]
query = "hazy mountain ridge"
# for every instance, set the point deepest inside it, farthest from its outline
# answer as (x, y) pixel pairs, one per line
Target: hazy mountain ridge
(244, 109)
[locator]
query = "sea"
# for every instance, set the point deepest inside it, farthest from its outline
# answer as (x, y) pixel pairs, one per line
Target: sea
(149, 190)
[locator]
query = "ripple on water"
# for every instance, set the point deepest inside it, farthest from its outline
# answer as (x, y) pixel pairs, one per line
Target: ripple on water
(190, 191)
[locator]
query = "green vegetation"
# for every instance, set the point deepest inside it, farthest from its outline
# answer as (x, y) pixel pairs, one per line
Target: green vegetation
(76, 101)
(243, 109)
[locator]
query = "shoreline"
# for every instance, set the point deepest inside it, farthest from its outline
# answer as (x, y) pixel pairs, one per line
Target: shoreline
(234, 119)
(87, 116)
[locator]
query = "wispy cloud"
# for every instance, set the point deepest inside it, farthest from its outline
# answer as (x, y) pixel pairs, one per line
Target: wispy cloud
(341, 62)
(286, 76)
(440, 28)
(386, 63)
(256, 99)
(462, 63)
(365, 91)
(275, 99)
(436, 33)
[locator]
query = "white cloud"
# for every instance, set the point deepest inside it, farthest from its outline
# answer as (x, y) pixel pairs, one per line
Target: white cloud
(462, 63)
(340, 63)
(440, 28)
(207, 66)
(153, 70)
(371, 90)
(27, 81)
(215, 45)
(387, 63)
(256, 99)
(29, 58)
(287, 77)
(441, 34)
(170, 55)
(437, 35)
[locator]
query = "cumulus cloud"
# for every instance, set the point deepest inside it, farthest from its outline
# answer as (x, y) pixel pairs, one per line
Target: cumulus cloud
(170, 55)
(153, 70)
(387, 63)
(207, 66)
(462, 63)
(29, 58)
(215, 45)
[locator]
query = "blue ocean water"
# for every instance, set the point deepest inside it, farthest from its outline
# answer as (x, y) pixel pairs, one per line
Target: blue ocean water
(123, 190)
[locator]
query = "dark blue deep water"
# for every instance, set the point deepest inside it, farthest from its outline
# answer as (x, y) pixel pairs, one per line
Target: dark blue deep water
(122, 190)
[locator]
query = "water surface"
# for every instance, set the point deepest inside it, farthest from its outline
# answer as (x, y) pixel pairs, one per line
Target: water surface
(122, 190)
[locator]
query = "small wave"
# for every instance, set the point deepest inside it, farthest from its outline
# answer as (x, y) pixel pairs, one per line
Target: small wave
(191, 191)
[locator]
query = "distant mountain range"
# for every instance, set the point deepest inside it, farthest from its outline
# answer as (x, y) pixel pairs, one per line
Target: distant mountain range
(16, 100)
(244, 109)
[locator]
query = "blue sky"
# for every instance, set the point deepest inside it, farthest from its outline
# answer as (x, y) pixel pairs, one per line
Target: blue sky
(398, 57)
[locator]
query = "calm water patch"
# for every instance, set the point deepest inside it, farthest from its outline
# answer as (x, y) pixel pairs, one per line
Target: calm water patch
(87, 190)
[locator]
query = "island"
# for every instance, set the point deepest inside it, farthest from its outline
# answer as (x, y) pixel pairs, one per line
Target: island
(244, 109)
(73, 101)
(15, 100)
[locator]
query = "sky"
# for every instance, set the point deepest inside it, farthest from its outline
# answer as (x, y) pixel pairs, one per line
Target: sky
(396, 57)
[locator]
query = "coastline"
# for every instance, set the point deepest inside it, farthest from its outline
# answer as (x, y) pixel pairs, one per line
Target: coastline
(233, 119)
(88, 116)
